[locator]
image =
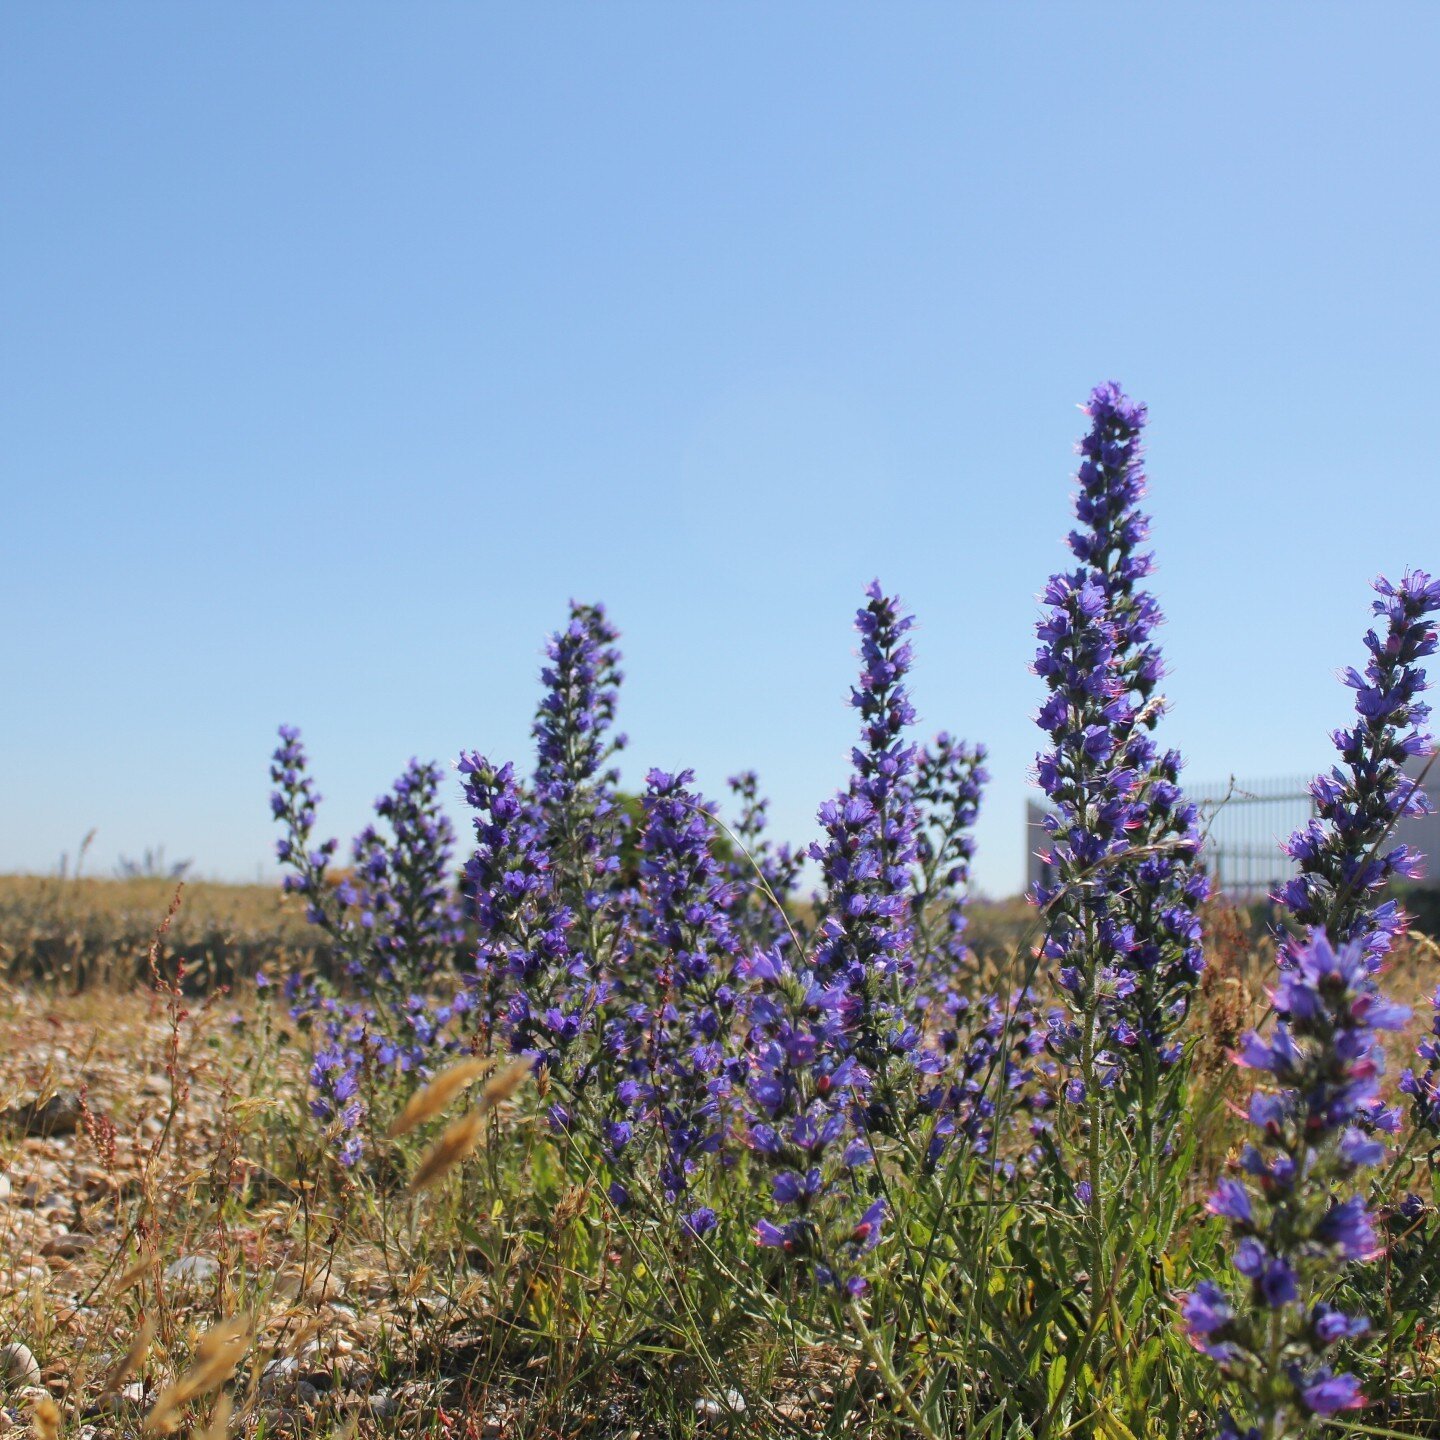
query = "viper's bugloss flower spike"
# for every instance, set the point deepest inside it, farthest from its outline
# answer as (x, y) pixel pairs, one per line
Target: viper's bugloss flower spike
(949, 780)
(392, 923)
(574, 801)
(682, 1078)
(765, 876)
(294, 803)
(803, 1094)
(1344, 856)
(538, 991)
(574, 789)
(827, 1030)
(864, 943)
(405, 896)
(976, 1047)
(1294, 1226)
(1123, 927)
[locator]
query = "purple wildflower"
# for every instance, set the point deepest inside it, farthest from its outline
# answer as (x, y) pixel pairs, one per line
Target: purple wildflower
(1294, 1227)
(574, 789)
(1342, 854)
(1123, 929)
(764, 877)
(683, 1079)
(863, 946)
(538, 990)
(950, 778)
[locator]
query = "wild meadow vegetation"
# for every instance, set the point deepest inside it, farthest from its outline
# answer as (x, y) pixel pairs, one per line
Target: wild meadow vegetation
(623, 1118)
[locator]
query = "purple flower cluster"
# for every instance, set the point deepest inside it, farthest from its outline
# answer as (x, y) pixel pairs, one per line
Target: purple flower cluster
(574, 788)
(804, 1090)
(985, 1047)
(293, 803)
(1293, 1222)
(1122, 923)
(392, 924)
(682, 1078)
(976, 1046)
(393, 921)
(539, 992)
(1424, 1087)
(702, 1037)
(405, 897)
(950, 778)
(827, 1028)
(764, 876)
(863, 947)
(1342, 854)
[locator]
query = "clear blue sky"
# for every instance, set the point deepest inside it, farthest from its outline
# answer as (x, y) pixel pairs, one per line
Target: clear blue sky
(342, 344)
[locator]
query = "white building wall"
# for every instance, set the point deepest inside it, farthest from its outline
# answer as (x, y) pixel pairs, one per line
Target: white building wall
(1423, 834)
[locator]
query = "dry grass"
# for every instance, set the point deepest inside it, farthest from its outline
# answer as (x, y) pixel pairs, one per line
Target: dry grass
(188, 1258)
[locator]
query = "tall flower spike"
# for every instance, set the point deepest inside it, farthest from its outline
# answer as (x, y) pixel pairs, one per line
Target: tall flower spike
(391, 923)
(573, 787)
(764, 882)
(294, 803)
(685, 1079)
(1122, 925)
(331, 907)
(536, 988)
(580, 821)
(950, 778)
(825, 1027)
(1294, 1225)
(409, 880)
(1344, 855)
(864, 941)
(803, 1093)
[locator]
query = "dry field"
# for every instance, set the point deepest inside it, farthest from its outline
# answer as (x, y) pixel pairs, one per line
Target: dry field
(160, 1181)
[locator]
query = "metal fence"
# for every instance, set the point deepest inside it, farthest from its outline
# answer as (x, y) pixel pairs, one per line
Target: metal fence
(1246, 822)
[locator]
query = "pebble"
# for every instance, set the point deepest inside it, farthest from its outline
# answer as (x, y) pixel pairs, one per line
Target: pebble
(18, 1365)
(192, 1271)
(25, 1276)
(58, 1115)
(279, 1376)
(66, 1246)
(733, 1403)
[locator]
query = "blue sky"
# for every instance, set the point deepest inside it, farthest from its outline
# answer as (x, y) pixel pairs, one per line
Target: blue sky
(343, 344)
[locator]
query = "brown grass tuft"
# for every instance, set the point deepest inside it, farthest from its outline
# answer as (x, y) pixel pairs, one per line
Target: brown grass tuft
(218, 1426)
(461, 1138)
(217, 1357)
(131, 1360)
(46, 1420)
(425, 1104)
